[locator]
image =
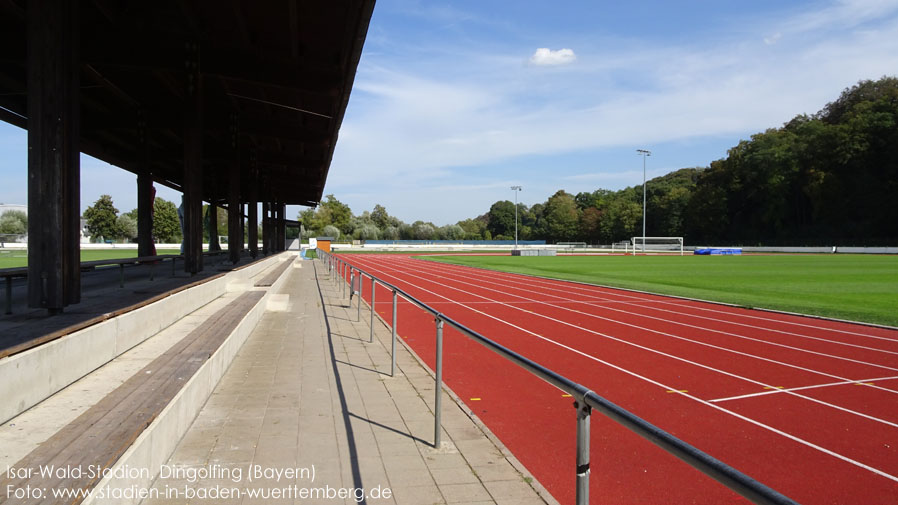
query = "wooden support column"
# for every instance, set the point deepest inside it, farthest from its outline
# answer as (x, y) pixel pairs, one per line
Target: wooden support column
(266, 230)
(235, 234)
(241, 209)
(193, 165)
(275, 226)
(269, 235)
(146, 194)
(253, 215)
(235, 231)
(53, 41)
(213, 227)
(282, 227)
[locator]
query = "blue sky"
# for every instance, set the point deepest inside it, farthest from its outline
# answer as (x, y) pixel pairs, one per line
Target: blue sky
(454, 102)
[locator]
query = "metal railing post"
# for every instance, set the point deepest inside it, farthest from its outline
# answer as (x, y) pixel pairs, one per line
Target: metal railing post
(393, 346)
(373, 291)
(358, 315)
(438, 386)
(351, 286)
(583, 413)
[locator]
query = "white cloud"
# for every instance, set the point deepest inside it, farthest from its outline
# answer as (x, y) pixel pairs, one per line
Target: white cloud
(545, 56)
(773, 39)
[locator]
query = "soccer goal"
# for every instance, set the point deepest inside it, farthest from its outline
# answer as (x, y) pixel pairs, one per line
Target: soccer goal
(657, 245)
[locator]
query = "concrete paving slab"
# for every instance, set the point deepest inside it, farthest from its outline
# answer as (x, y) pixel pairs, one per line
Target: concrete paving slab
(307, 391)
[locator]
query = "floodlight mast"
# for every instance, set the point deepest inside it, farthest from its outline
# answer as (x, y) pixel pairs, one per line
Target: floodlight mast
(644, 153)
(516, 189)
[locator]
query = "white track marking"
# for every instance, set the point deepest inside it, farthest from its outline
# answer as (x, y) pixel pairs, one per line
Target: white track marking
(802, 388)
(590, 288)
(671, 356)
(640, 302)
(668, 388)
(698, 342)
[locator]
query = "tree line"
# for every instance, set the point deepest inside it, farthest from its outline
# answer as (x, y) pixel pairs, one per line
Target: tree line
(103, 221)
(821, 179)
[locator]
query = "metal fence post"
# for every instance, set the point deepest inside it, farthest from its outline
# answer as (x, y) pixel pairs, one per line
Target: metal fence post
(373, 291)
(438, 386)
(583, 412)
(351, 286)
(358, 315)
(393, 348)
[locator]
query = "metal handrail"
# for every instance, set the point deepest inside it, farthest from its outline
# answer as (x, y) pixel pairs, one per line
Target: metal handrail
(584, 401)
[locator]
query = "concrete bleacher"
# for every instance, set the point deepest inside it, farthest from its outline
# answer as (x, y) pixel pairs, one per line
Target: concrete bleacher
(280, 377)
(45, 362)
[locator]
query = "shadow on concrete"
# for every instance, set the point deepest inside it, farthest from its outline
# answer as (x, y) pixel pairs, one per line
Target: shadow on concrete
(362, 367)
(344, 407)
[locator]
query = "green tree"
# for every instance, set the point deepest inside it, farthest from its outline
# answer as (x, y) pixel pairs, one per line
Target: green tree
(424, 231)
(380, 217)
(311, 222)
(501, 218)
(333, 211)
(332, 231)
(451, 232)
(14, 222)
(166, 227)
(126, 227)
(101, 218)
(562, 217)
(390, 233)
(622, 220)
(366, 231)
(473, 228)
(590, 225)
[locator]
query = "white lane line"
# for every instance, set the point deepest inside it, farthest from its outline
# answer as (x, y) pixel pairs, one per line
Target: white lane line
(863, 382)
(671, 356)
(666, 387)
(698, 342)
(608, 290)
(675, 312)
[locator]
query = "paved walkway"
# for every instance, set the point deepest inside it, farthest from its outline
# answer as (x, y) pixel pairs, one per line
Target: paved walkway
(308, 411)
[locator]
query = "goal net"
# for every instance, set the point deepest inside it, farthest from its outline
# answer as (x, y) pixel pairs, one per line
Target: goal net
(657, 245)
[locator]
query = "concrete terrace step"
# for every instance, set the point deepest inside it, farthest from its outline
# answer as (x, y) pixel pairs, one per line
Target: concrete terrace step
(99, 436)
(273, 274)
(153, 377)
(50, 359)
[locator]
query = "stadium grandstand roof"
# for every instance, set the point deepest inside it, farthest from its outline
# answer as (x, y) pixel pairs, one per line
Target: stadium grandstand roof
(276, 78)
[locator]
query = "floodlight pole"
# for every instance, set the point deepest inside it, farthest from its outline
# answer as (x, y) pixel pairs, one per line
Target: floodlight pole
(516, 189)
(644, 153)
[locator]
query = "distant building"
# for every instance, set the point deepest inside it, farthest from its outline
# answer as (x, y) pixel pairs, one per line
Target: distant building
(13, 206)
(85, 235)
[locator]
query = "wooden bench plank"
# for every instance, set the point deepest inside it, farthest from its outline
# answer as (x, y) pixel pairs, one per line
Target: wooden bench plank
(103, 433)
(272, 277)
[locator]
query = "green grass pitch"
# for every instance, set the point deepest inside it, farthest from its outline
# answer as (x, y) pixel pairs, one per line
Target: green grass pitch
(12, 258)
(853, 287)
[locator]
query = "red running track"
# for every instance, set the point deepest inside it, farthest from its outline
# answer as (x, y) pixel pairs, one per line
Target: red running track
(807, 406)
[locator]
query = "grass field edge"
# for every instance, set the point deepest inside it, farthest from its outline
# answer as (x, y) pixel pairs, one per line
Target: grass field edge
(678, 297)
